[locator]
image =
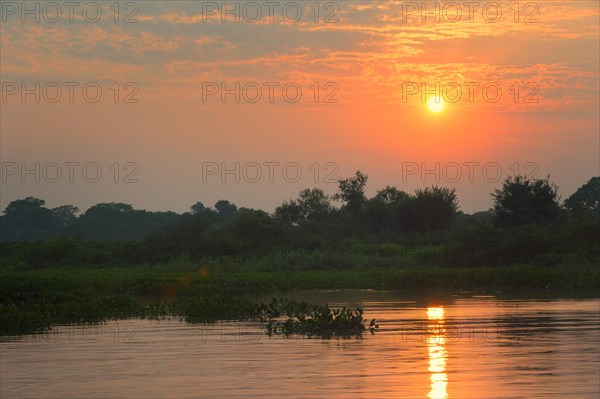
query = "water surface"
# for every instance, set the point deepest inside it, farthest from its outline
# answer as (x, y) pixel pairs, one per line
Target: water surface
(460, 346)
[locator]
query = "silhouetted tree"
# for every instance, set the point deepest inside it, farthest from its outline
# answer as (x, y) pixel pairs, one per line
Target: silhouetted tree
(434, 208)
(389, 195)
(386, 211)
(352, 192)
(585, 202)
(119, 221)
(226, 210)
(311, 205)
(198, 208)
(524, 201)
(289, 213)
(28, 220)
(255, 226)
(65, 215)
(314, 204)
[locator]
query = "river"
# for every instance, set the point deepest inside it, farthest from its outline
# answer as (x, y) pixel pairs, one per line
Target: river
(428, 346)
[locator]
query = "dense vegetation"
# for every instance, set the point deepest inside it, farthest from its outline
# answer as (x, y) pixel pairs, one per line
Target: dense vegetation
(526, 225)
(115, 262)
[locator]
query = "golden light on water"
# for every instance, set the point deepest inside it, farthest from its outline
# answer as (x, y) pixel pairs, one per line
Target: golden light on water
(435, 313)
(437, 354)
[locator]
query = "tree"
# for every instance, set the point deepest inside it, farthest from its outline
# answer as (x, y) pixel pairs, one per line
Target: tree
(390, 195)
(106, 221)
(385, 211)
(197, 208)
(525, 201)
(352, 192)
(109, 209)
(65, 215)
(434, 208)
(289, 213)
(314, 204)
(24, 206)
(226, 210)
(311, 205)
(28, 220)
(585, 202)
(180, 238)
(255, 226)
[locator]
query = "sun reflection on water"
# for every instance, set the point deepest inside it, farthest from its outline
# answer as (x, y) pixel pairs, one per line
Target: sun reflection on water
(437, 353)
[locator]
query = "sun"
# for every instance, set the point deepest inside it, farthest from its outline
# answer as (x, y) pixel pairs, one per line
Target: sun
(435, 104)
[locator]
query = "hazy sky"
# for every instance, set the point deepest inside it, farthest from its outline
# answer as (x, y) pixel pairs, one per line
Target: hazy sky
(255, 101)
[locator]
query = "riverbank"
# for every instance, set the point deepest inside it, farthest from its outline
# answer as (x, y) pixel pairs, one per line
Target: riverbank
(32, 301)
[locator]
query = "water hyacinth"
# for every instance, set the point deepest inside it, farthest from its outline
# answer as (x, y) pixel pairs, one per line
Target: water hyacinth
(290, 317)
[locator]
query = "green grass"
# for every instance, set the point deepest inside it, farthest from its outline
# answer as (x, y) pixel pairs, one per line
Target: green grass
(33, 301)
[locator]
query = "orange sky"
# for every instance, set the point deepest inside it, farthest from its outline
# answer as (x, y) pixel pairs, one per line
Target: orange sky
(371, 66)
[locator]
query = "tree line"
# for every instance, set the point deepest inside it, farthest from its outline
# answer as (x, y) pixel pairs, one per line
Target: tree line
(527, 224)
(313, 215)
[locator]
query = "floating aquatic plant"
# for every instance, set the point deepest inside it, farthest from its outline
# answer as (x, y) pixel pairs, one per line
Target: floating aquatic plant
(290, 317)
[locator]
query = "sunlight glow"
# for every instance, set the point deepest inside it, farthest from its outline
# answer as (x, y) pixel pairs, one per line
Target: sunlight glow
(436, 104)
(435, 313)
(437, 354)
